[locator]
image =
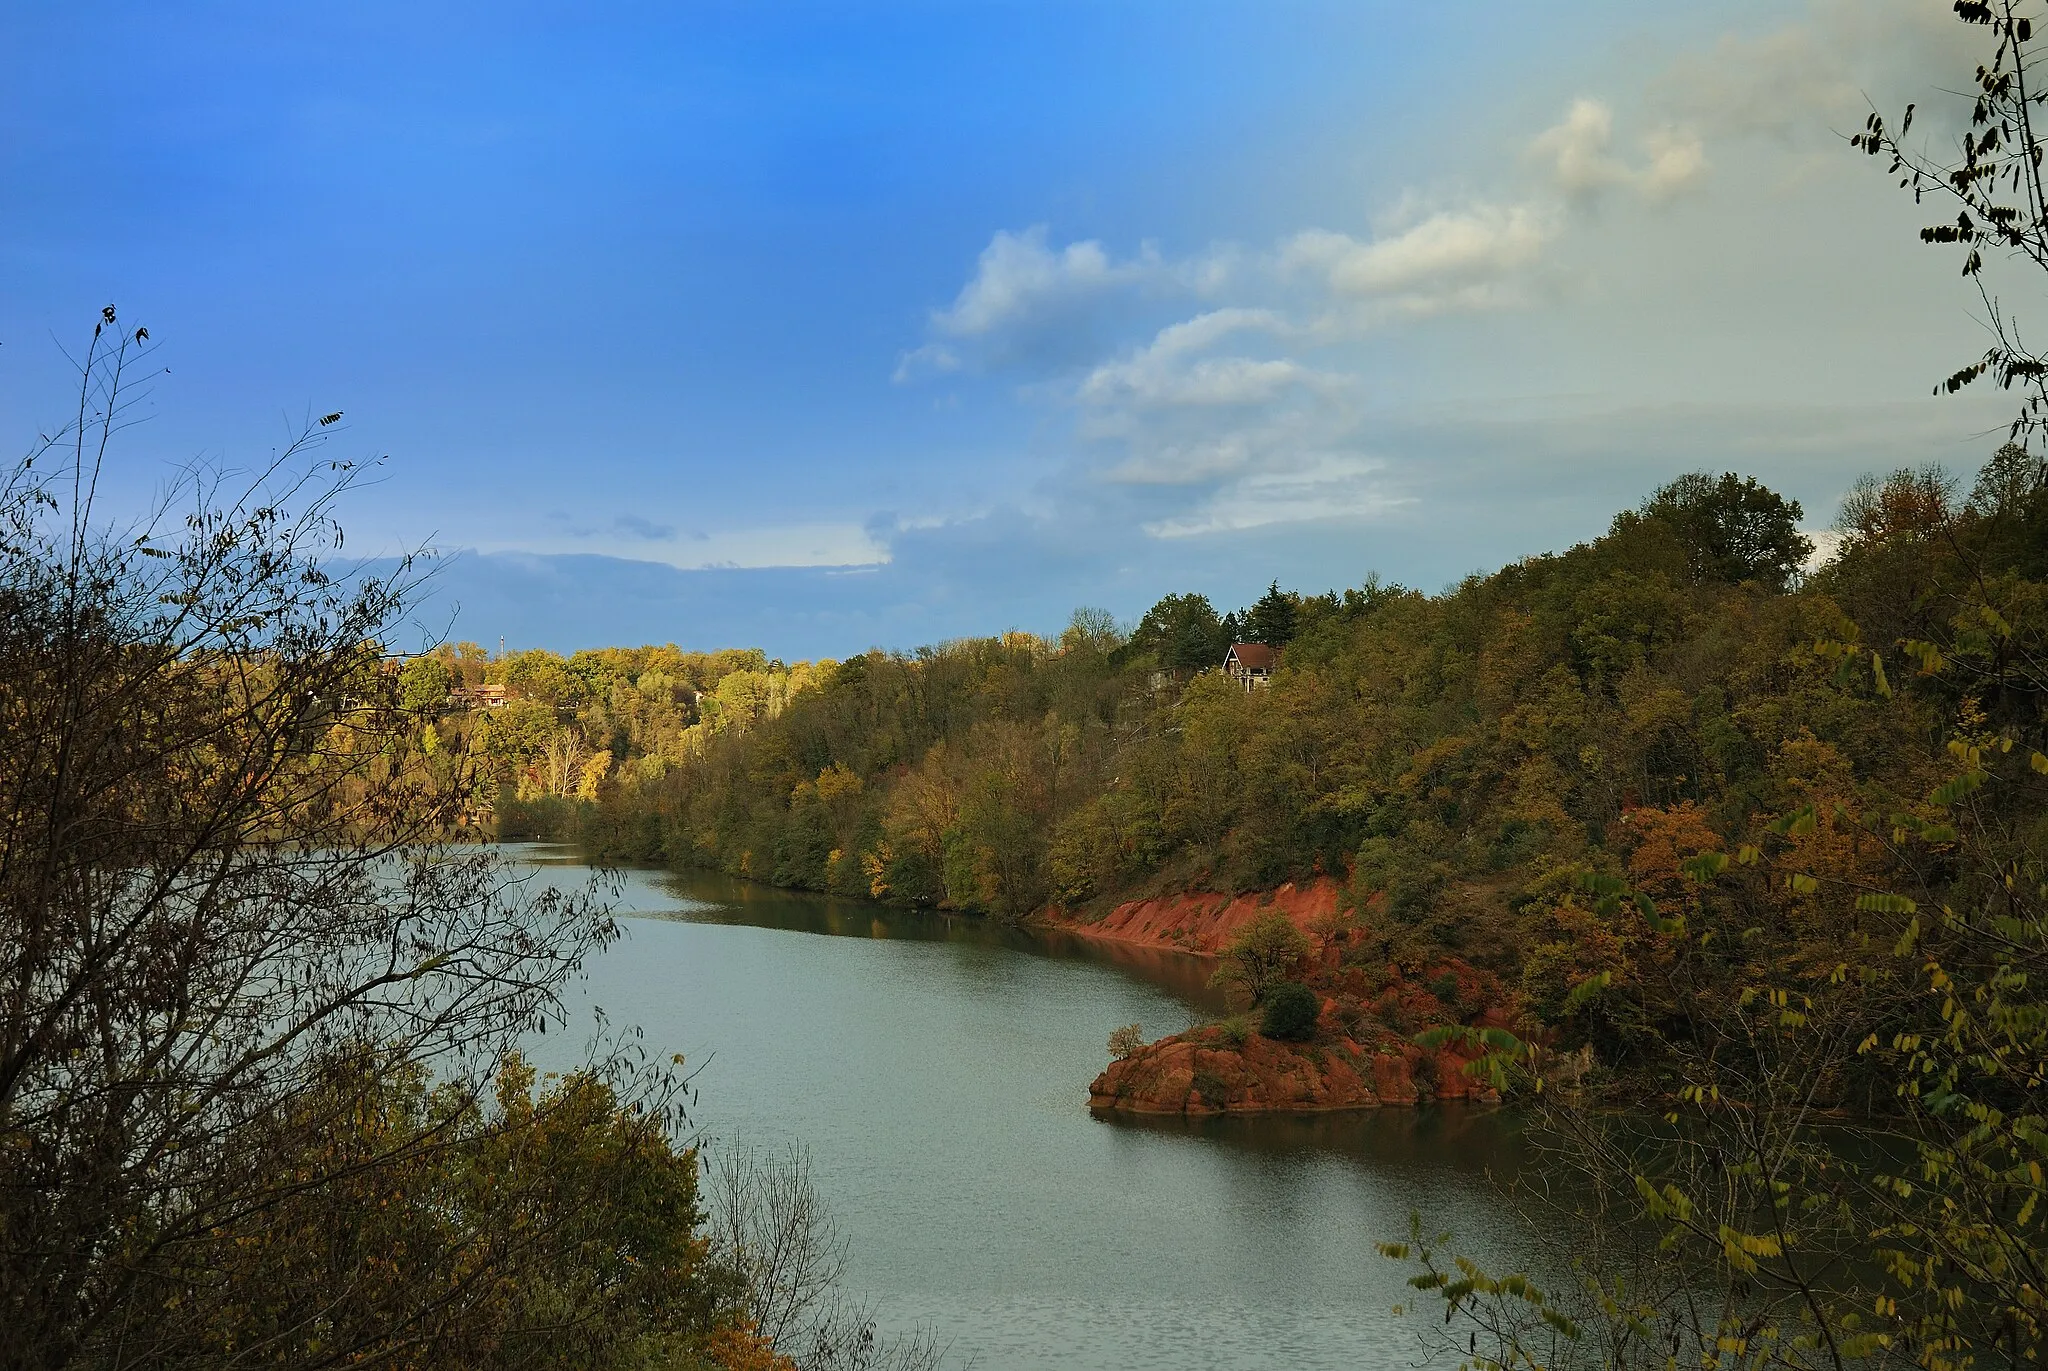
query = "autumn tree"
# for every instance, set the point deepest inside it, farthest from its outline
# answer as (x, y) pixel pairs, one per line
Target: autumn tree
(247, 996)
(424, 683)
(1847, 1170)
(1258, 958)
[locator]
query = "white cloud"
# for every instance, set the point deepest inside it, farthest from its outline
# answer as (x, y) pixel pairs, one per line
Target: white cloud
(1020, 277)
(1579, 148)
(1677, 160)
(782, 545)
(1579, 153)
(1826, 544)
(1208, 458)
(1325, 486)
(1207, 329)
(1255, 410)
(1451, 259)
(1018, 272)
(929, 360)
(1194, 444)
(1206, 381)
(1815, 77)
(1773, 82)
(1167, 372)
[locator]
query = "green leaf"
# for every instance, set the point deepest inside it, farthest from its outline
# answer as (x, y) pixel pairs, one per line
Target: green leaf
(1704, 866)
(1501, 1040)
(1957, 788)
(1587, 990)
(1927, 654)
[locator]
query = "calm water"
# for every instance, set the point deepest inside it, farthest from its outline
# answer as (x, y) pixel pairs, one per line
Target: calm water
(937, 1070)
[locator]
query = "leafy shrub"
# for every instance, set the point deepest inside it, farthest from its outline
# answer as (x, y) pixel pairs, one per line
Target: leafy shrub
(1126, 1040)
(1237, 1030)
(1291, 1012)
(1445, 988)
(1259, 956)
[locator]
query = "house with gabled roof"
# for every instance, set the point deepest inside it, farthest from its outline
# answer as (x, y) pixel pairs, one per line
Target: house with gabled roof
(1250, 664)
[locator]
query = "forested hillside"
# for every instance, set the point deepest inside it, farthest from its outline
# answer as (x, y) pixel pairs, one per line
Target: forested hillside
(1461, 761)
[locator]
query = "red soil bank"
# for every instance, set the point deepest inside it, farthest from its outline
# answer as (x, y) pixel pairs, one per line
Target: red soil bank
(1203, 923)
(1201, 1072)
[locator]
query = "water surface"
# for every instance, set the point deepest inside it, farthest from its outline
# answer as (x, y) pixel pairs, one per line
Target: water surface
(937, 1069)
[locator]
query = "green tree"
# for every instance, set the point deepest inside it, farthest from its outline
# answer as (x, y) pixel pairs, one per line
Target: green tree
(558, 1228)
(1183, 632)
(1260, 956)
(1733, 528)
(1291, 1012)
(423, 685)
(1272, 619)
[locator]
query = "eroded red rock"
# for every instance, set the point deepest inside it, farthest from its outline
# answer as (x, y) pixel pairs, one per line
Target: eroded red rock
(1363, 1055)
(1204, 1071)
(1203, 922)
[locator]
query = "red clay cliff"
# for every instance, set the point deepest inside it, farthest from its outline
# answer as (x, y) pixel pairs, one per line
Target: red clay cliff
(1360, 1055)
(1202, 922)
(1210, 1070)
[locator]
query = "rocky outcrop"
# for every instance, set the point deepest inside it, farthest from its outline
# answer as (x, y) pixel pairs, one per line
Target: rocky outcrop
(1203, 922)
(1212, 1070)
(1362, 1054)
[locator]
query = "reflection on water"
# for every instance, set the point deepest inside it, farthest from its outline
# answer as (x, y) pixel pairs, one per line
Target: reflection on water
(712, 897)
(937, 1069)
(1471, 1140)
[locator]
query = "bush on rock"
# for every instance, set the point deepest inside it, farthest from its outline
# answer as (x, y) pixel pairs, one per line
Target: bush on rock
(1291, 1012)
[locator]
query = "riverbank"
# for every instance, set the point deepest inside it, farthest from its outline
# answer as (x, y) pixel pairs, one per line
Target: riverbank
(934, 1066)
(1360, 1054)
(1360, 1057)
(1218, 1069)
(1202, 922)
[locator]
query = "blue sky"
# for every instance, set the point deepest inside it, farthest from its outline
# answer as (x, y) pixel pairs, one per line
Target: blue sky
(823, 326)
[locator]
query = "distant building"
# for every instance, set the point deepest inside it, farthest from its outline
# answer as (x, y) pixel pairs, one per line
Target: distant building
(488, 696)
(1250, 664)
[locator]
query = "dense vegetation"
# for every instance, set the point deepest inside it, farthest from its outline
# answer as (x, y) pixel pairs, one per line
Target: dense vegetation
(1714, 830)
(262, 1092)
(1002, 774)
(1450, 757)
(1761, 848)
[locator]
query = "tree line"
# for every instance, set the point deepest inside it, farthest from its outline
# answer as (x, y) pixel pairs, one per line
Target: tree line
(1752, 844)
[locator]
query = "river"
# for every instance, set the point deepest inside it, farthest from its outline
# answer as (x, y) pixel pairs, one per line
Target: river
(937, 1068)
